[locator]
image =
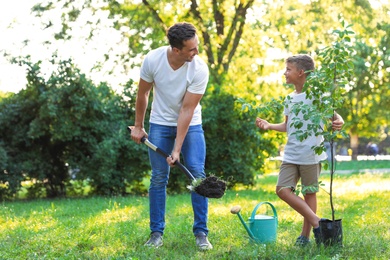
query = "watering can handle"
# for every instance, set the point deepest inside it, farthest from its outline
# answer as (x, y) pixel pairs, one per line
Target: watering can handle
(261, 203)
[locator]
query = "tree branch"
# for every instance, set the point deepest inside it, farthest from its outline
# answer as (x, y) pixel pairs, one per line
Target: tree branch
(218, 17)
(238, 21)
(194, 9)
(155, 15)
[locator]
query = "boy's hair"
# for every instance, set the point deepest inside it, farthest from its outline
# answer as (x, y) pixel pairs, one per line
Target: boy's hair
(302, 61)
(180, 32)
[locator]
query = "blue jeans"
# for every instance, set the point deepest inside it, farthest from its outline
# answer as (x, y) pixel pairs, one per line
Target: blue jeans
(194, 155)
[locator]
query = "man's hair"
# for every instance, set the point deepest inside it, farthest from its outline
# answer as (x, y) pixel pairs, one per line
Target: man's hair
(180, 32)
(302, 61)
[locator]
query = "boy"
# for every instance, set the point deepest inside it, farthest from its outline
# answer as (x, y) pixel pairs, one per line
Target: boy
(299, 160)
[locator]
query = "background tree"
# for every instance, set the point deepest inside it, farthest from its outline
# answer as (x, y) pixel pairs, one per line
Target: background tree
(237, 38)
(368, 95)
(245, 44)
(221, 31)
(66, 128)
(299, 27)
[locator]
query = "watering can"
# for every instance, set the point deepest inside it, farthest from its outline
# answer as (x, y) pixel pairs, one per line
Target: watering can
(261, 228)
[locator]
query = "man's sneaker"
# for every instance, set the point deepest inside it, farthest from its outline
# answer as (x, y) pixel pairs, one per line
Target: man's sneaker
(317, 235)
(202, 242)
(302, 241)
(155, 240)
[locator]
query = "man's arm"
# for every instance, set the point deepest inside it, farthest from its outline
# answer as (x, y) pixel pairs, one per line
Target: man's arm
(140, 110)
(186, 113)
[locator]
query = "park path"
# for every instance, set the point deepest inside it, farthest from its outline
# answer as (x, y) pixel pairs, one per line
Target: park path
(374, 171)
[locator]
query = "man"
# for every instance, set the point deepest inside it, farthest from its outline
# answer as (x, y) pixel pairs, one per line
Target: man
(179, 79)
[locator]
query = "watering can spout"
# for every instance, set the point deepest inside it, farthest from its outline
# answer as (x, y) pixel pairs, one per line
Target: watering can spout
(236, 210)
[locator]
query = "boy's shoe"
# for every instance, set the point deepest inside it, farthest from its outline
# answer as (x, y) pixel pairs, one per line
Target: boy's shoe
(317, 235)
(155, 240)
(302, 241)
(202, 242)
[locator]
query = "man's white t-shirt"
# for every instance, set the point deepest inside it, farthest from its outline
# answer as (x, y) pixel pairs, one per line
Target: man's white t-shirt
(300, 152)
(171, 85)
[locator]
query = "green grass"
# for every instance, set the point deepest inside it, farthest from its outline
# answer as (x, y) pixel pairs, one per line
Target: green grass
(117, 228)
(366, 164)
(353, 166)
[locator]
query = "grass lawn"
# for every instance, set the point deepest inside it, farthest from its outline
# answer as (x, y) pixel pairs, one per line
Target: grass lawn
(364, 164)
(117, 228)
(352, 166)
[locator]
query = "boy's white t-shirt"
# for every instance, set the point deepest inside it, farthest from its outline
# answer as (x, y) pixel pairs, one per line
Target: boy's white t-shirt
(171, 85)
(295, 151)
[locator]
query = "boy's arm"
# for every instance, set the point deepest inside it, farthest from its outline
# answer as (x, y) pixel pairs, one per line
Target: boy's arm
(263, 124)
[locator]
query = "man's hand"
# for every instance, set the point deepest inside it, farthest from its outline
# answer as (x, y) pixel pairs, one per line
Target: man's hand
(173, 158)
(137, 133)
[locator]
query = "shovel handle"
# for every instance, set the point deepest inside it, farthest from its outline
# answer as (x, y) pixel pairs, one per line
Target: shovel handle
(165, 154)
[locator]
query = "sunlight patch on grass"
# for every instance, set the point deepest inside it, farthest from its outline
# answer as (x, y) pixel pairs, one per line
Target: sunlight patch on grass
(45, 222)
(183, 210)
(7, 224)
(219, 210)
(378, 217)
(360, 184)
(116, 215)
(245, 202)
(240, 187)
(30, 223)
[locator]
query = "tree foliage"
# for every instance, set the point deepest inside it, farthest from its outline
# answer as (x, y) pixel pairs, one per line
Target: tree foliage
(326, 87)
(245, 44)
(66, 128)
(368, 94)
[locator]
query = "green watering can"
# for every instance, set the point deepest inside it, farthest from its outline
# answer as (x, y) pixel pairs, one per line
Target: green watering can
(261, 228)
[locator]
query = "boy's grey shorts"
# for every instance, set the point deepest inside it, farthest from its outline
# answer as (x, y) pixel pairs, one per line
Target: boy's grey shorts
(290, 174)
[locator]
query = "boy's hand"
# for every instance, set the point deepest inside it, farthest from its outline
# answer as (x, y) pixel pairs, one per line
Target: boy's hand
(262, 124)
(337, 123)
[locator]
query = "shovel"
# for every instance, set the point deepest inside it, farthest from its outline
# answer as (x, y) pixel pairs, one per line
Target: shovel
(210, 187)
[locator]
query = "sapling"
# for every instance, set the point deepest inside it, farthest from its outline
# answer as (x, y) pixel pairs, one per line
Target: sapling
(326, 86)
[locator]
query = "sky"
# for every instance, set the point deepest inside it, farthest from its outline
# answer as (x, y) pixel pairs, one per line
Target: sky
(18, 12)
(18, 24)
